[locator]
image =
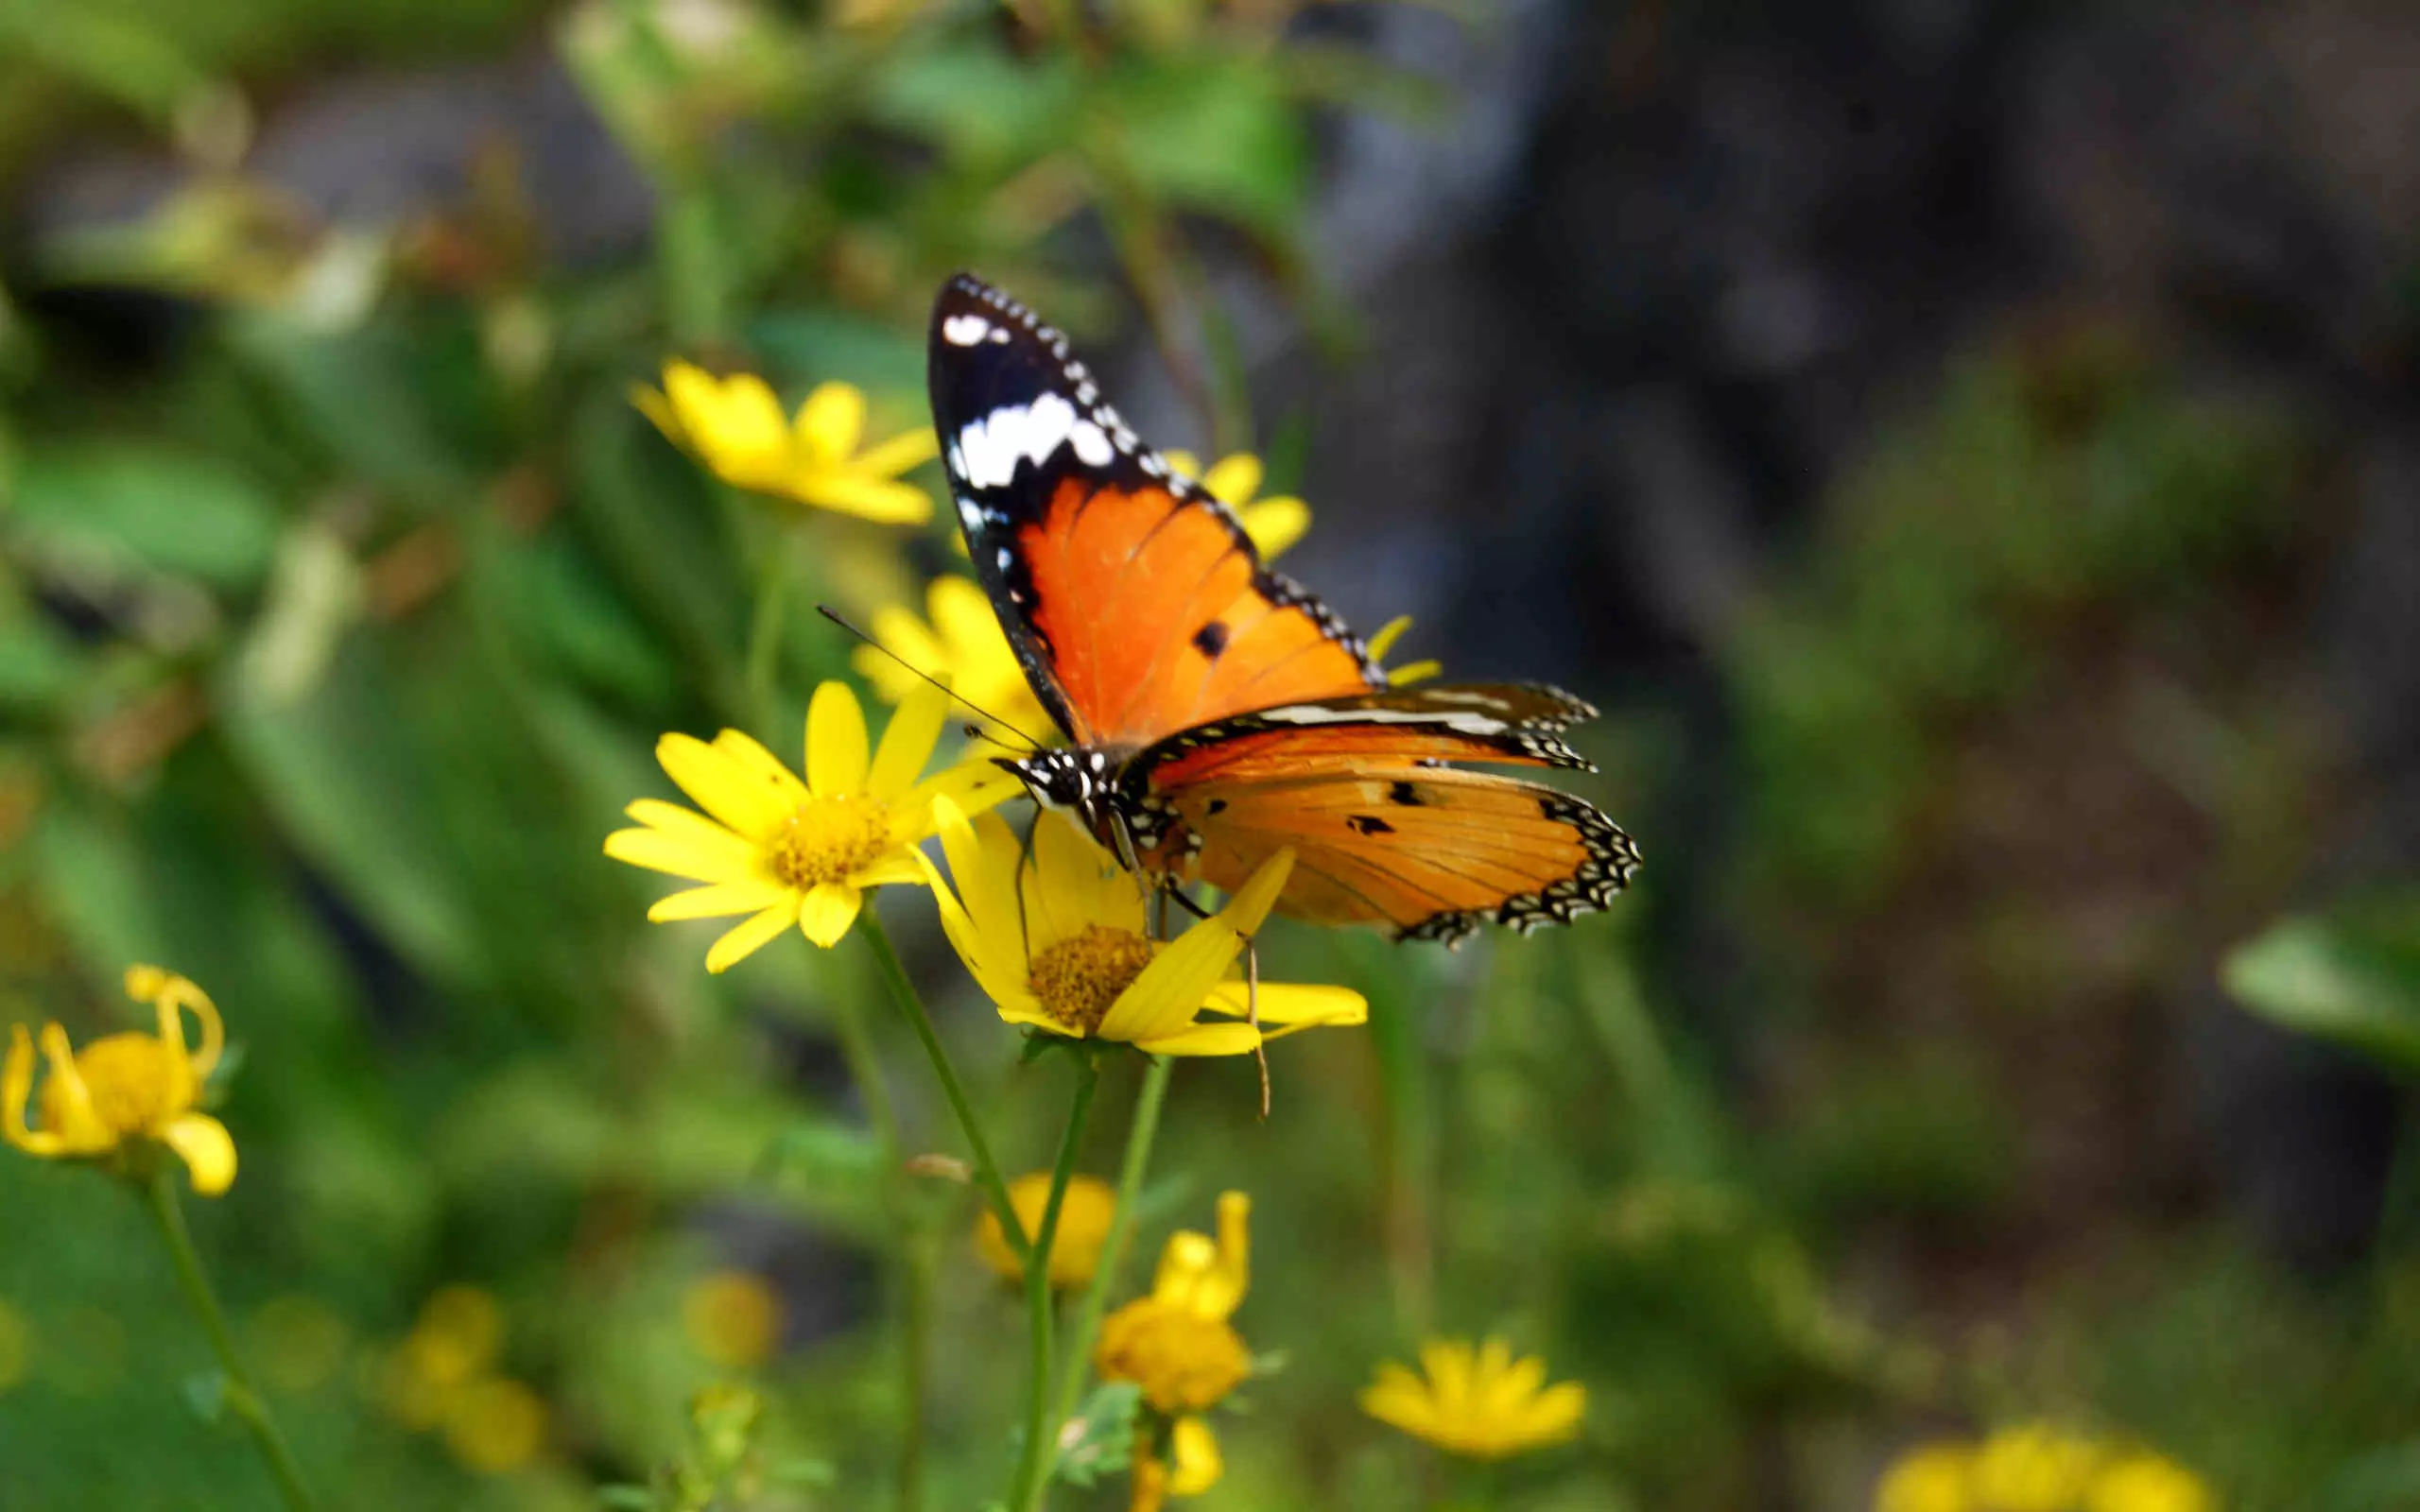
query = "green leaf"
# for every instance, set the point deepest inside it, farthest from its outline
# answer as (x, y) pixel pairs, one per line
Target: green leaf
(156, 506)
(625, 1499)
(1104, 1441)
(2351, 975)
(1213, 136)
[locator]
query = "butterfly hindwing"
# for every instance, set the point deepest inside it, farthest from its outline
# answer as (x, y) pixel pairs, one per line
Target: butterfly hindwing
(1498, 724)
(1427, 853)
(1133, 599)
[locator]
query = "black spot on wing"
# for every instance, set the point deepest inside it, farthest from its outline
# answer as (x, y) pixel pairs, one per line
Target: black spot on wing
(1368, 824)
(1211, 639)
(1405, 794)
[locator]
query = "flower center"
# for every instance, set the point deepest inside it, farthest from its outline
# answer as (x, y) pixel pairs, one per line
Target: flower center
(1184, 1361)
(828, 839)
(136, 1085)
(1081, 976)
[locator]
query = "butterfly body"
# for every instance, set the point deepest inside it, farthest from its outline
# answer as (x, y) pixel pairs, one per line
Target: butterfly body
(1217, 712)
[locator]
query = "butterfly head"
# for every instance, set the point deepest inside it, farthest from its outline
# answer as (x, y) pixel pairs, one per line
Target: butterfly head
(1073, 781)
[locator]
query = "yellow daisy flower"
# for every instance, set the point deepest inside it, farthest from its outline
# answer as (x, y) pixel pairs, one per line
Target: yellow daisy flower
(1482, 1404)
(1085, 1215)
(734, 427)
(786, 852)
(1410, 672)
(1273, 524)
(2144, 1481)
(1058, 942)
(961, 640)
(1181, 1348)
(2033, 1467)
(125, 1093)
(1928, 1478)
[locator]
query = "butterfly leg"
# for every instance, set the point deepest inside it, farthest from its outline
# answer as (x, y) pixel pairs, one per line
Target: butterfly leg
(1251, 1012)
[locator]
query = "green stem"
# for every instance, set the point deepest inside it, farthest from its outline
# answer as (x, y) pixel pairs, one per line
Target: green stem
(903, 992)
(910, 1276)
(241, 1397)
(1033, 1478)
(1121, 1231)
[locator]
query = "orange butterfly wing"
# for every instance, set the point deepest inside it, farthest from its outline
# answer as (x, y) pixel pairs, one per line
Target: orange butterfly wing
(1427, 853)
(1158, 616)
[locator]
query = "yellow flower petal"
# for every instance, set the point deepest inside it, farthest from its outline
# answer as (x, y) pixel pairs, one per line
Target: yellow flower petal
(1388, 633)
(16, 1090)
(896, 867)
(972, 786)
(983, 859)
(207, 1149)
(680, 855)
(1073, 881)
(693, 829)
(908, 741)
(875, 499)
(835, 742)
(830, 423)
(1195, 1449)
(1411, 672)
(1235, 478)
(903, 453)
(1293, 1005)
(750, 756)
(1002, 981)
(748, 939)
(716, 900)
(1164, 999)
(720, 784)
(1209, 1038)
(659, 410)
(1276, 525)
(901, 637)
(1183, 461)
(827, 911)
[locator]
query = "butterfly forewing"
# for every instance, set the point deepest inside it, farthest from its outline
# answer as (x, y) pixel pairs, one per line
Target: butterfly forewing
(1133, 599)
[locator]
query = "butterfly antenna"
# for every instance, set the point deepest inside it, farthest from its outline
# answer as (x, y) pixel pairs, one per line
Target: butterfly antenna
(843, 620)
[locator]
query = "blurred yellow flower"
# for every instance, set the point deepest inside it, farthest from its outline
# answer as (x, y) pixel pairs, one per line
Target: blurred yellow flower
(495, 1426)
(455, 1340)
(1085, 1215)
(126, 1092)
(960, 642)
(1273, 524)
(1928, 1478)
(2034, 1467)
(734, 1317)
(1482, 1403)
(1058, 940)
(1410, 672)
(787, 853)
(2140, 1481)
(735, 427)
(1179, 1345)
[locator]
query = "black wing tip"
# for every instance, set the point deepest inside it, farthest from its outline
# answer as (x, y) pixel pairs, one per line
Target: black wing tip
(1612, 860)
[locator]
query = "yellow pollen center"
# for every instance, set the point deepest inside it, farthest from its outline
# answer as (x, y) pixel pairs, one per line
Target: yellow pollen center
(137, 1085)
(828, 839)
(1079, 978)
(1184, 1361)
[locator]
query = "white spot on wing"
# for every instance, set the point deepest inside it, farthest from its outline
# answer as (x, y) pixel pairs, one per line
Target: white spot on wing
(1311, 714)
(990, 448)
(1092, 446)
(966, 330)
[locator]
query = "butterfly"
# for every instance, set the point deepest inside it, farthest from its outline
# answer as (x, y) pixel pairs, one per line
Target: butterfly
(1216, 712)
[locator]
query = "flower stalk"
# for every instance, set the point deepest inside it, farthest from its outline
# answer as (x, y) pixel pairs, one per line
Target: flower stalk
(240, 1395)
(987, 1171)
(1131, 1168)
(1035, 1459)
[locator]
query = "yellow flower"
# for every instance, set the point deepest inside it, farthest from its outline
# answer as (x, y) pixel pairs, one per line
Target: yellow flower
(2034, 1467)
(2145, 1482)
(1178, 1347)
(1085, 1215)
(1058, 942)
(961, 642)
(1273, 524)
(1410, 672)
(734, 1317)
(787, 853)
(734, 425)
(1482, 1404)
(1928, 1478)
(495, 1426)
(125, 1091)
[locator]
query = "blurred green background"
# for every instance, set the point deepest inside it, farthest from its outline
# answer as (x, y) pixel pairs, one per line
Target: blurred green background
(1966, 448)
